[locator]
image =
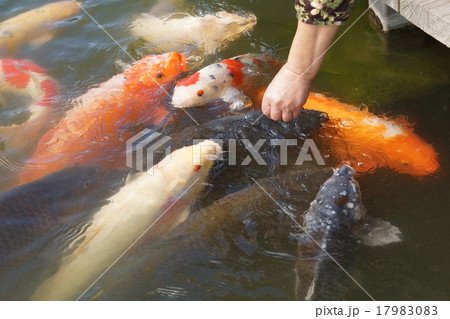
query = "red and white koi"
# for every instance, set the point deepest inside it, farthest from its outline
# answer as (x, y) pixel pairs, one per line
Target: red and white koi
(28, 82)
(224, 80)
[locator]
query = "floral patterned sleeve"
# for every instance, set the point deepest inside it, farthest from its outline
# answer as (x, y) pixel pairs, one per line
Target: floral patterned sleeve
(323, 12)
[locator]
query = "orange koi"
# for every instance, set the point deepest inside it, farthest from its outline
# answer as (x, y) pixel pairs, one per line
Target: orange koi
(95, 130)
(367, 141)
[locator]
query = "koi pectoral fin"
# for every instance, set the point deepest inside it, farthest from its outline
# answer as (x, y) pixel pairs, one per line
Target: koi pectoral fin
(237, 100)
(36, 43)
(231, 94)
(377, 232)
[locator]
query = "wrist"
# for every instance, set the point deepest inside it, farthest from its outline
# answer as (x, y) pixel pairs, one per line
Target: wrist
(299, 73)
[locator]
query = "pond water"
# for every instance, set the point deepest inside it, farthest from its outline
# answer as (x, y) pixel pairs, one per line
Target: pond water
(403, 73)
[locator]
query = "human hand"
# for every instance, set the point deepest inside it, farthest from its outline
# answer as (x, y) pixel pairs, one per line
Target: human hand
(286, 95)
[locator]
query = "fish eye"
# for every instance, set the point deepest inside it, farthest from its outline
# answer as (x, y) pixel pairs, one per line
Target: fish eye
(159, 75)
(200, 92)
(197, 168)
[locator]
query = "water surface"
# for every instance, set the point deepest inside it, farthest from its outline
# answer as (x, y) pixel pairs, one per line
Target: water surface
(405, 73)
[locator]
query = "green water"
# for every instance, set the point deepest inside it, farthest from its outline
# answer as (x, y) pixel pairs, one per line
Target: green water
(404, 73)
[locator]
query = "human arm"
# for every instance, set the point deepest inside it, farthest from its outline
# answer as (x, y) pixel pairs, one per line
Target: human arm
(288, 91)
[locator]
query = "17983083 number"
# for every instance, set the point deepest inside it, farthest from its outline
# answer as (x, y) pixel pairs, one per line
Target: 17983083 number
(407, 310)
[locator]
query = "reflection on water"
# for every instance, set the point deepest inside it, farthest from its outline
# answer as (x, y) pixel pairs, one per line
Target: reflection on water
(246, 249)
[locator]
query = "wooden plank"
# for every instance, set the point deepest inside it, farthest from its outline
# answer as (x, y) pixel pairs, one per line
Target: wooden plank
(432, 16)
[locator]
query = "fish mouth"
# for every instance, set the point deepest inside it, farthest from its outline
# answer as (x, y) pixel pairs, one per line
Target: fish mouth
(246, 21)
(177, 61)
(250, 20)
(345, 170)
(209, 150)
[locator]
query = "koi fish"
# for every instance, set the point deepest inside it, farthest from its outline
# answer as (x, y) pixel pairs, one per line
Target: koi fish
(162, 198)
(178, 31)
(36, 26)
(254, 222)
(31, 212)
(361, 138)
(28, 83)
(368, 141)
(225, 80)
(96, 129)
(335, 220)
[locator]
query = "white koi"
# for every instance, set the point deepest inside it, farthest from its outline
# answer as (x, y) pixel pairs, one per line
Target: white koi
(150, 204)
(180, 31)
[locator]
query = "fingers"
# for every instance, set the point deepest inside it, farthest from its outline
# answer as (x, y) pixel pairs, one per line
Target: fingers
(280, 101)
(266, 109)
(296, 112)
(270, 109)
(287, 116)
(265, 105)
(275, 114)
(269, 106)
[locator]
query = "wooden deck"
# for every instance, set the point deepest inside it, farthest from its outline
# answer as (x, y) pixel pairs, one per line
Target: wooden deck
(432, 16)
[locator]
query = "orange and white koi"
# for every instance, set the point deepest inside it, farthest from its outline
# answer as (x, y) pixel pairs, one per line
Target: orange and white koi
(368, 141)
(95, 130)
(30, 84)
(224, 80)
(34, 27)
